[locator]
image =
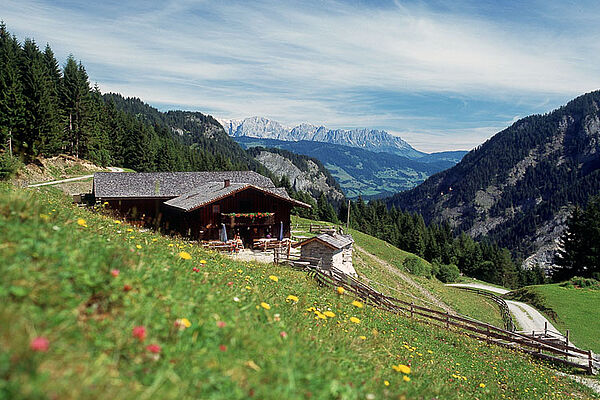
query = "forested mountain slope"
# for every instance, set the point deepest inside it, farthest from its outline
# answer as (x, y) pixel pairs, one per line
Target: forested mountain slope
(516, 187)
(362, 172)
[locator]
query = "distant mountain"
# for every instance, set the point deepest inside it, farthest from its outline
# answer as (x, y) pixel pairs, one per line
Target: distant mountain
(373, 140)
(360, 172)
(517, 188)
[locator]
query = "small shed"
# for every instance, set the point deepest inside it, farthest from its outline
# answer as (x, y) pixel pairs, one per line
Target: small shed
(334, 250)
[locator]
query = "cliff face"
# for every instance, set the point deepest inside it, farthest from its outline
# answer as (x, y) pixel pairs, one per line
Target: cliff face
(517, 188)
(312, 179)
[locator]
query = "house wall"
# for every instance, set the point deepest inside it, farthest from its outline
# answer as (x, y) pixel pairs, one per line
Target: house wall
(144, 212)
(318, 250)
(205, 222)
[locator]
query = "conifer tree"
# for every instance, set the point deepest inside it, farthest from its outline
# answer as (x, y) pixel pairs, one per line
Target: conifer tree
(12, 105)
(75, 94)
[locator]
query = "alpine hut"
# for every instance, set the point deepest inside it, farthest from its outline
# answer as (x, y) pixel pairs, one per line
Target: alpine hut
(332, 249)
(200, 204)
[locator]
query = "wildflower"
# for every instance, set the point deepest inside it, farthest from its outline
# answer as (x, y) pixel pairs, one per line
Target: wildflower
(154, 239)
(81, 222)
(405, 369)
(153, 348)
(223, 347)
(363, 337)
(182, 323)
(273, 278)
(291, 297)
(202, 261)
(221, 324)
(139, 332)
(185, 255)
(355, 320)
(127, 287)
(230, 283)
(386, 383)
(129, 230)
(170, 244)
(40, 344)
(357, 304)
(283, 334)
(138, 246)
(265, 306)
(329, 314)
(236, 299)
(116, 221)
(340, 290)
(482, 385)
(115, 272)
(406, 378)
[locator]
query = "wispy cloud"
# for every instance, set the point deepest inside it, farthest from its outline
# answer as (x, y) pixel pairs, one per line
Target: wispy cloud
(343, 64)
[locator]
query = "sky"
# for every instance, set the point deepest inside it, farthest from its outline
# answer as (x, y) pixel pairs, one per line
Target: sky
(442, 74)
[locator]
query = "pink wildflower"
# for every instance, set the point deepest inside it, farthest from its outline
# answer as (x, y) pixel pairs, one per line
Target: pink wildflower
(139, 332)
(40, 344)
(115, 272)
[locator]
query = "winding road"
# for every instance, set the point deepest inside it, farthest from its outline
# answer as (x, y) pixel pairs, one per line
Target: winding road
(527, 317)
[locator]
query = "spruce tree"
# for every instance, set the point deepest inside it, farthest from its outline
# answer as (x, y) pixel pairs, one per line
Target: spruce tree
(12, 105)
(75, 94)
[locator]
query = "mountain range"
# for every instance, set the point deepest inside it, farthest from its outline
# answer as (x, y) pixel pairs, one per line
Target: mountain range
(367, 139)
(518, 188)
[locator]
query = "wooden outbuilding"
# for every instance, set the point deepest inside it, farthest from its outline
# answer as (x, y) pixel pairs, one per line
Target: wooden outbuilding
(200, 204)
(334, 250)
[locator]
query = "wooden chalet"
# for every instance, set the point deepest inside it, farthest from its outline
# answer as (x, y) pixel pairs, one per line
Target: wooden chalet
(199, 204)
(332, 249)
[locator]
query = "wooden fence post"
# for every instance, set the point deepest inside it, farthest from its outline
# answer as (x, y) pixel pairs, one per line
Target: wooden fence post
(567, 338)
(590, 362)
(447, 320)
(411, 309)
(545, 328)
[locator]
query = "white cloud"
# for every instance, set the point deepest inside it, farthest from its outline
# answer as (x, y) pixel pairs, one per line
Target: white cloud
(311, 61)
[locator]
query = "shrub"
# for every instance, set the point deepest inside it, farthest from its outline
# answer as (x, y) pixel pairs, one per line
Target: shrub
(416, 266)
(448, 273)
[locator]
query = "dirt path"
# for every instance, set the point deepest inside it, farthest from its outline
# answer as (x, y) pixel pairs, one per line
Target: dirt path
(77, 178)
(393, 270)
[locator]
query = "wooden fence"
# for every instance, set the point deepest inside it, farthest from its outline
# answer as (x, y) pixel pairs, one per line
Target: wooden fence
(538, 347)
(509, 324)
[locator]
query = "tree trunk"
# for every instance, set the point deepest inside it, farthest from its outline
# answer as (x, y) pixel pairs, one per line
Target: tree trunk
(10, 142)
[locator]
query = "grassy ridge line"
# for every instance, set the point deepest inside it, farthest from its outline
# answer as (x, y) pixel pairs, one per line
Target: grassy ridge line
(58, 282)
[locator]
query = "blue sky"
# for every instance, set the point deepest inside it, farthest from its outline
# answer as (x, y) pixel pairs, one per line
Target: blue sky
(442, 74)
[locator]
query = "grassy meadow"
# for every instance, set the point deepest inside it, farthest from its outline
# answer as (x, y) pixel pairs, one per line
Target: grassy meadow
(93, 308)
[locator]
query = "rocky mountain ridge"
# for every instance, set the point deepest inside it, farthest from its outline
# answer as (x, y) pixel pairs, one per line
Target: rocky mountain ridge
(368, 139)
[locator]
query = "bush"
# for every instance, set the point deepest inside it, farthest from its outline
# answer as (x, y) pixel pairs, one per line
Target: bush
(448, 273)
(416, 266)
(579, 282)
(8, 166)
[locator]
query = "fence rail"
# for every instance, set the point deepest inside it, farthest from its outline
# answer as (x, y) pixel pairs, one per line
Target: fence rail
(537, 347)
(509, 324)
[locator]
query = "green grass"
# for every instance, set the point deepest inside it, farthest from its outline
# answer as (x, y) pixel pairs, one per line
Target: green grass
(576, 309)
(57, 283)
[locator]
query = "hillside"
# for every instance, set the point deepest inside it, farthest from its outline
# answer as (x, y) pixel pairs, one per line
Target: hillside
(368, 139)
(129, 314)
(304, 173)
(516, 188)
(361, 172)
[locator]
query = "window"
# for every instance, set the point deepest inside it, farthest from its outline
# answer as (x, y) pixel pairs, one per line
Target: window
(216, 208)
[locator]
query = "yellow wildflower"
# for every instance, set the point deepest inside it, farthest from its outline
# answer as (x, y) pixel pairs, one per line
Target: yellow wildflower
(386, 383)
(129, 230)
(340, 290)
(329, 314)
(273, 278)
(405, 369)
(406, 378)
(138, 246)
(291, 297)
(186, 322)
(363, 337)
(185, 255)
(81, 222)
(265, 306)
(170, 244)
(202, 261)
(357, 304)
(154, 239)
(116, 221)
(482, 385)
(355, 320)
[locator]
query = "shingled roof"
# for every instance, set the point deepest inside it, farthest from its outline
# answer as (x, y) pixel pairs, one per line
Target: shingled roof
(213, 191)
(334, 241)
(121, 185)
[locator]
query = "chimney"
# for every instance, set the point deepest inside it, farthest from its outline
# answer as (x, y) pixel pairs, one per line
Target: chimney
(227, 183)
